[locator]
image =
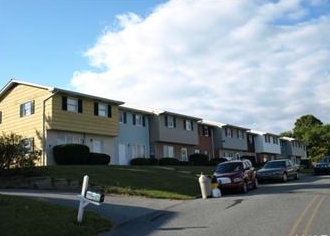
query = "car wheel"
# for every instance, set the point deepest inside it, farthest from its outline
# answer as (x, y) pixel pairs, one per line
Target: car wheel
(297, 175)
(284, 177)
(245, 187)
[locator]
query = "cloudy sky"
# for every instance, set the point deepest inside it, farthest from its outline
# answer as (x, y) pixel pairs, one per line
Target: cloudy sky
(257, 64)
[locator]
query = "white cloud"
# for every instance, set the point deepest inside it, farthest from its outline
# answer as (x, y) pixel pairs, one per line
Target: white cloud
(256, 64)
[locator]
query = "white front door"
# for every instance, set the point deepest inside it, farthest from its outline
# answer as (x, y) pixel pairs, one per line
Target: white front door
(122, 154)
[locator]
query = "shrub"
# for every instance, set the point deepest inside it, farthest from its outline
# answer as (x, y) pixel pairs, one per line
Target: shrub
(71, 154)
(140, 161)
(169, 161)
(14, 155)
(217, 160)
(198, 159)
(98, 159)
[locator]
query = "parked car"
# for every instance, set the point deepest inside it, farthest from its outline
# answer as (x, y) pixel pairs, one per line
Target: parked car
(237, 175)
(322, 166)
(281, 169)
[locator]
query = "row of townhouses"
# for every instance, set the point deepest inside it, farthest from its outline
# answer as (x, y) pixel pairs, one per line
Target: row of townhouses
(48, 116)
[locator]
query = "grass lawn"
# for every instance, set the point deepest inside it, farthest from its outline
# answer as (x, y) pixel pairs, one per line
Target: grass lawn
(174, 182)
(21, 216)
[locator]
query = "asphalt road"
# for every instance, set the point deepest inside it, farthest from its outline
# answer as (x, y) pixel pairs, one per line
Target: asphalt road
(295, 208)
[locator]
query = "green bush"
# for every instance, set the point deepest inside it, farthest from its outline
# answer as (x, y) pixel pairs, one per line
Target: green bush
(140, 161)
(98, 159)
(198, 159)
(13, 153)
(216, 161)
(71, 154)
(169, 161)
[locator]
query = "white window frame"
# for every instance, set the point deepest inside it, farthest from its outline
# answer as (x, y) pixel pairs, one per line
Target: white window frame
(72, 104)
(206, 130)
(168, 151)
(188, 125)
(102, 109)
(138, 120)
(170, 122)
(138, 150)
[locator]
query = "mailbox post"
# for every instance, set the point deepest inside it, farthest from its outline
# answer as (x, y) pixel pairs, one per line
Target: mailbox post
(87, 197)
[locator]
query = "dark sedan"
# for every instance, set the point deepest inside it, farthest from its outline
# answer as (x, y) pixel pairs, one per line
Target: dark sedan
(282, 170)
(322, 166)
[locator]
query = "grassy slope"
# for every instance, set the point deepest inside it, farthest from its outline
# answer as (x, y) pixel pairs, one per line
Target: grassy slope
(179, 182)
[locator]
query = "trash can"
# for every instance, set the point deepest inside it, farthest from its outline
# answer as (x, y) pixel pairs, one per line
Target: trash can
(205, 185)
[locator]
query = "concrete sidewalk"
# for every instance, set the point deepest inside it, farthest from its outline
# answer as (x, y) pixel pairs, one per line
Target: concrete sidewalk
(119, 209)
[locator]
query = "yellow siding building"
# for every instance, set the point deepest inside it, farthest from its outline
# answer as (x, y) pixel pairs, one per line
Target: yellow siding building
(48, 116)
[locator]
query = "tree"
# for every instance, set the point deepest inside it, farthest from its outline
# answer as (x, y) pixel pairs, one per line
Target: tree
(304, 124)
(314, 134)
(13, 153)
(287, 134)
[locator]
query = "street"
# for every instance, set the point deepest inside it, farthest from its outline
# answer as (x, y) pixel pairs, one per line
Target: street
(296, 208)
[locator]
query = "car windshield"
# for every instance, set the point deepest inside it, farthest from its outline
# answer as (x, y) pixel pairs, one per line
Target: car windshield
(274, 164)
(229, 167)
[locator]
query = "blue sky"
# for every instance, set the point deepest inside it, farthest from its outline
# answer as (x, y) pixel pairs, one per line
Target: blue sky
(257, 64)
(42, 41)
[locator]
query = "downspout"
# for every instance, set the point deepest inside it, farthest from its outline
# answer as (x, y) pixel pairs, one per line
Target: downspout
(44, 128)
(212, 143)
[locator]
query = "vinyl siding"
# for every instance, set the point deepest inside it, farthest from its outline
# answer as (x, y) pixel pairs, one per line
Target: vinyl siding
(26, 126)
(85, 122)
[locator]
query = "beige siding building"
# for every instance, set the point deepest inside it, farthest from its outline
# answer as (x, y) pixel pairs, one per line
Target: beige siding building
(48, 116)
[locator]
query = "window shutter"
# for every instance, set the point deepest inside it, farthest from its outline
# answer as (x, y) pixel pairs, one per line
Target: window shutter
(96, 108)
(32, 107)
(184, 125)
(192, 125)
(174, 122)
(80, 108)
(0, 117)
(109, 111)
(125, 117)
(134, 119)
(166, 121)
(143, 120)
(21, 107)
(64, 103)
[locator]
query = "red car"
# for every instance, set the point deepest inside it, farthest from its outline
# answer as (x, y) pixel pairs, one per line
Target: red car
(237, 175)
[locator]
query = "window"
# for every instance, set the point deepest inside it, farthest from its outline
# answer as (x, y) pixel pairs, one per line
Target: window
(122, 117)
(138, 150)
(228, 132)
(28, 145)
(27, 109)
(170, 122)
(72, 104)
(102, 109)
(206, 130)
(97, 146)
(267, 138)
(138, 120)
(188, 125)
(275, 140)
(240, 134)
(168, 151)
(184, 154)
(69, 139)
